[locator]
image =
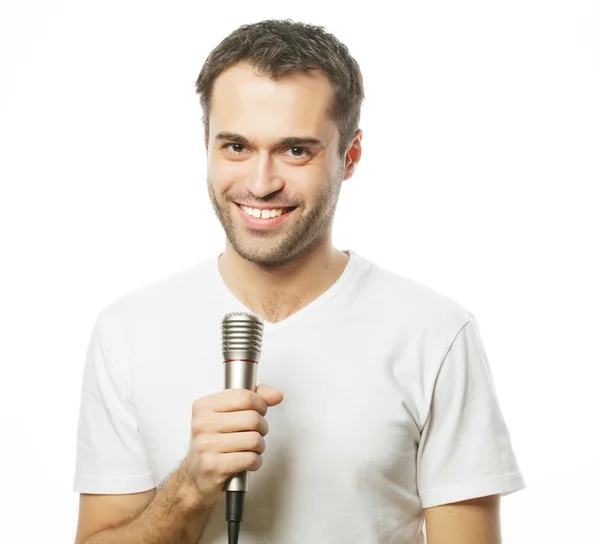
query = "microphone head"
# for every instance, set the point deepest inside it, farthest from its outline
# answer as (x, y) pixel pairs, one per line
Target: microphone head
(242, 336)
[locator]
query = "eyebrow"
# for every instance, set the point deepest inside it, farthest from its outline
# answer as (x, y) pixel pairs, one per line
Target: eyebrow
(290, 141)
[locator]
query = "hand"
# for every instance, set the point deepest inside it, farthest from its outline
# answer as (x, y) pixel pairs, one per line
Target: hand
(228, 430)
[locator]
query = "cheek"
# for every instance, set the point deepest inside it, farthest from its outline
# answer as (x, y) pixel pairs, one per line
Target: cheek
(224, 174)
(307, 175)
(312, 182)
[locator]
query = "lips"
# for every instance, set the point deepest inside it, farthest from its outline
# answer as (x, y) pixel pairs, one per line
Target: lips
(264, 218)
(263, 213)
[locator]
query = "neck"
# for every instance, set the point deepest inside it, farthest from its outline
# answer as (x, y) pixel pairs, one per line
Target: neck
(277, 293)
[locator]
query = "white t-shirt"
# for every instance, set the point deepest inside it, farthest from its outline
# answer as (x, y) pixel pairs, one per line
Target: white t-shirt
(389, 405)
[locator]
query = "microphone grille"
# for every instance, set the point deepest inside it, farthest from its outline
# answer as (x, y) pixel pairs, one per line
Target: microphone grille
(242, 336)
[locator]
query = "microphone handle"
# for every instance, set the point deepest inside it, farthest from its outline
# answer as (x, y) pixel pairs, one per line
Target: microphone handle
(239, 374)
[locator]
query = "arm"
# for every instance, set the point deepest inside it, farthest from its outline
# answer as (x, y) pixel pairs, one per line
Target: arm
(228, 430)
(174, 512)
(465, 449)
(474, 521)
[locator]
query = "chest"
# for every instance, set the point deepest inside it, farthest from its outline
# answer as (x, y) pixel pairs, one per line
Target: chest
(347, 402)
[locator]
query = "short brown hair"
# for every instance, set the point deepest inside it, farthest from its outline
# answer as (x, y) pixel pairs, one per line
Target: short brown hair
(282, 47)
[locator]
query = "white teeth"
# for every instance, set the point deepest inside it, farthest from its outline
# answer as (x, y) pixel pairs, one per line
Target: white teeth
(262, 214)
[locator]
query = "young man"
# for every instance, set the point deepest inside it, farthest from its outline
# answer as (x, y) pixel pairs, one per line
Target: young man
(390, 416)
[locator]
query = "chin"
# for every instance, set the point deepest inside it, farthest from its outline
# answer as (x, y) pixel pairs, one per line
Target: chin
(269, 259)
(273, 255)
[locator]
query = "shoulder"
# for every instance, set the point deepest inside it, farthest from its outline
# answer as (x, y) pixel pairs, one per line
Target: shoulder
(166, 296)
(403, 298)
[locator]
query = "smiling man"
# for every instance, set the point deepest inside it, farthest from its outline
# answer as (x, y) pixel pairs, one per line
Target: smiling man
(390, 418)
(283, 190)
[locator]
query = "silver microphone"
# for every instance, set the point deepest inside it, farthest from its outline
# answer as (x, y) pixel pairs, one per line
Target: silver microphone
(242, 342)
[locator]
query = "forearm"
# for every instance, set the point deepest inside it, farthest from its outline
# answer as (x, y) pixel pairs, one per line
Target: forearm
(473, 521)
(176, 514)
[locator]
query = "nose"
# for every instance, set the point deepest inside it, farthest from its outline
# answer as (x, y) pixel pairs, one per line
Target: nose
(263, 178)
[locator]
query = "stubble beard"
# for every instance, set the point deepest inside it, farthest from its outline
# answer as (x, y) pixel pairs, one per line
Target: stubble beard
(275, 250)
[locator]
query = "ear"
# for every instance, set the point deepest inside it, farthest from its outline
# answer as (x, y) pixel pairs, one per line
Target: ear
(353, 155)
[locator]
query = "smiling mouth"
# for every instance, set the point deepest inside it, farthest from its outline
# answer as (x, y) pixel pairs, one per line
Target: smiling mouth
(265, 213)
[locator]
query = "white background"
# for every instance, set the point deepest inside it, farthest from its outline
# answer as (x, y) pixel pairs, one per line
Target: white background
(479, 179)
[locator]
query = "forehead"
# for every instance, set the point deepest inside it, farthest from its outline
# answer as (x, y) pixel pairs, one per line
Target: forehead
(246, 102)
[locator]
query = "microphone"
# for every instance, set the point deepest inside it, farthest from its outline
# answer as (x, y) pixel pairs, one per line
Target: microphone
(242, 341)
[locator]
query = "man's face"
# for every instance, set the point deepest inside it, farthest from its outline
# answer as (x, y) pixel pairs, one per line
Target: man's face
(274, 173)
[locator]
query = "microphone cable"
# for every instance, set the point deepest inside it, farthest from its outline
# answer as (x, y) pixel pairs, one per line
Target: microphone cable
(234, 514)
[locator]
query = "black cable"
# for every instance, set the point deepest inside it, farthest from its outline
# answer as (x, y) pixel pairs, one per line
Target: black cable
(234, 514)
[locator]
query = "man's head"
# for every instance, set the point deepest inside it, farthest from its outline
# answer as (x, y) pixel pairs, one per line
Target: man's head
(281, 104)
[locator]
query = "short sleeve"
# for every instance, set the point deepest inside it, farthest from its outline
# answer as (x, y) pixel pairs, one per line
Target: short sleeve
(465, 449)
(110, 457)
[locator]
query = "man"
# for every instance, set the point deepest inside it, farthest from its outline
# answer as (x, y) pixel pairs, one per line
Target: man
(390, 416)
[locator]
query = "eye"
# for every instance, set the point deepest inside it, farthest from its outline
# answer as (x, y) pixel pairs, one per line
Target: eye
(300, 152)
(234, 148)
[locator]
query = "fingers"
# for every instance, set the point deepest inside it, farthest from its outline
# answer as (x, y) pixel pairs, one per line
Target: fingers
(230, 422)
(232, 400)
(228, 430)
(272, 397)
(239, 461)
(236, 400)
(221, 466)
(249, 441)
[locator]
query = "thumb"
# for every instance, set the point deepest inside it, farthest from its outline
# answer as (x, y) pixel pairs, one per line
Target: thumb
(271, 396)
